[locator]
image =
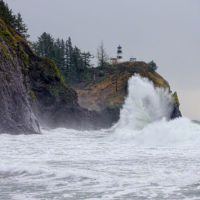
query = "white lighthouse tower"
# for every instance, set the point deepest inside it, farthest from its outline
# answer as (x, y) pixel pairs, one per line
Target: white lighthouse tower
(119, 54)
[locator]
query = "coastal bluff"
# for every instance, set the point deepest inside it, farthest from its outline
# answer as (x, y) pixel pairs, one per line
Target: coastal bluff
(108, 89)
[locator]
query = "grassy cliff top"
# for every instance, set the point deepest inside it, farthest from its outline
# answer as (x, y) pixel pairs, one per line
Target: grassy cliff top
(130, 68)
(109, 85)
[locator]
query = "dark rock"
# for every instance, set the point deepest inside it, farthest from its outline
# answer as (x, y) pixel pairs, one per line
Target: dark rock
(175, 113)
(16, 114)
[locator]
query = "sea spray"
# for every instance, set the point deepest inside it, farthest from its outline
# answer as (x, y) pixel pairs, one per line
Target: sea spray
(144, 104)
(144, 118)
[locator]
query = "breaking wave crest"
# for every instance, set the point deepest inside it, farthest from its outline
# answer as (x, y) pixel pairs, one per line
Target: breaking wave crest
(145, 118)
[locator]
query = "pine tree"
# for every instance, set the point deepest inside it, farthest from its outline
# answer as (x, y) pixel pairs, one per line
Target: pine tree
(57, 52)
(62, 49)
(68, 53)
(86, 57)
(15, 21)
(152, 66)
(102, 56)
(71, 62)
(20, 26)
(45, 46)
(77, 63)
(6, 14)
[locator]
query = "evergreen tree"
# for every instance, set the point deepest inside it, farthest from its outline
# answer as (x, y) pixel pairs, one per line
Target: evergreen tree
(6, 14)
(62, 53)
(76, 59)
(102, 56)
(152, 66)
(57, 53)
(86, 57)
(71, 62)
(45, 46)
(15, 21)
(68, 53)
(20, 26)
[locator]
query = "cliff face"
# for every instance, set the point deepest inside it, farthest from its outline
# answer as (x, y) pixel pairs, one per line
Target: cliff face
(16, 114)
(108, 89)
(55, 104)
(32, 90)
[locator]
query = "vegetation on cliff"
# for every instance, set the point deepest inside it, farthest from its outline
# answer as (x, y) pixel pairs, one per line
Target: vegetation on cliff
(16, 114)
(32, 89)
(31, 86)
(70, 60)
(152, 66)
(102, 56)
(109, 85)
(13, 20)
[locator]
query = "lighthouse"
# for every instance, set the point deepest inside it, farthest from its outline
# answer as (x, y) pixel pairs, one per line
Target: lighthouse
(119, 54)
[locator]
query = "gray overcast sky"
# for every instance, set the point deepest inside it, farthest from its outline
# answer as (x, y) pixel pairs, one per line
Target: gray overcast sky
(166, 31)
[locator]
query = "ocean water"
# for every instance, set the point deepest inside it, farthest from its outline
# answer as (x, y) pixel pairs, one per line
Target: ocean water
(142, 157)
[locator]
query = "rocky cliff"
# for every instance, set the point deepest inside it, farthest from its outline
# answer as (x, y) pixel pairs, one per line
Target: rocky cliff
(54, 103)
(32, 90)
(16, 114)
(108, 89)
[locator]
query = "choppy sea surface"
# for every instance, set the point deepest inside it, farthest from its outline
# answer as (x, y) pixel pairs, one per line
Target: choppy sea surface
(142, 157)
(65, 164)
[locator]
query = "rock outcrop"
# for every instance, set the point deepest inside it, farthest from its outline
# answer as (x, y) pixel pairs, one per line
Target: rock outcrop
(16, 115)
(107, 91)
(55, 103)
(176, 111)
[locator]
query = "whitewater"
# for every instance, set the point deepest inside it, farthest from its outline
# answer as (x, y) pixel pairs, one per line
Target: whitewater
(144, 156)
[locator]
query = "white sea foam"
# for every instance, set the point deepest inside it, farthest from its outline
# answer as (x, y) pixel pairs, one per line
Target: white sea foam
(144, 104)
(144, 118)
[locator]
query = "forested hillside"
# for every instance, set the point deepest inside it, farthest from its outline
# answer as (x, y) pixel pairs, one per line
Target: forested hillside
(70, 60)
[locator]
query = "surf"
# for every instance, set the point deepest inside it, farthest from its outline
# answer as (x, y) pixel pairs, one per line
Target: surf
(145, 118)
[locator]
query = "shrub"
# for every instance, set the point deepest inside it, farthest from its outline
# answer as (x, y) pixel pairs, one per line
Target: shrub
(101, 73)
(152, 66)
